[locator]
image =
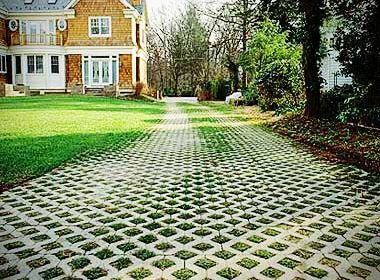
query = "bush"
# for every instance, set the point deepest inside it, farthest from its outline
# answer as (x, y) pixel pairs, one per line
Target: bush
(350, 103)
(251, 96)
(139, 87)
(220, 88)
(168, 92)
(358, 109)
(332, 101)
(186, 91)
(274, 64)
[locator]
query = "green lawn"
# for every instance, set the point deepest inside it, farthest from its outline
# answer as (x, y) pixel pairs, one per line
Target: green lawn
(38, 134)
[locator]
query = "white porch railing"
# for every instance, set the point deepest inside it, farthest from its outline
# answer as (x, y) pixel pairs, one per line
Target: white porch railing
(37, 39)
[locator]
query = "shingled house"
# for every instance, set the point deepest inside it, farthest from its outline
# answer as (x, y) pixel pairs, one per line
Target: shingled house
(73, 45)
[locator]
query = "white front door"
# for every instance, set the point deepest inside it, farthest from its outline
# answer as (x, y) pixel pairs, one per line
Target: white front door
(101, 72)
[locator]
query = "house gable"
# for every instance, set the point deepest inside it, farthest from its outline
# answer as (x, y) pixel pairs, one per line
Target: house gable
(73, 3)
(78, 26)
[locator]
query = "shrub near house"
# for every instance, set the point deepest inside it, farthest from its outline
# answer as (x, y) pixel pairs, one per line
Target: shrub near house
(275, 66)
(77, 45)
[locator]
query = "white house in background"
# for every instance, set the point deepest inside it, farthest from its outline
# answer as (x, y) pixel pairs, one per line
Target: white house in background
(331, 68)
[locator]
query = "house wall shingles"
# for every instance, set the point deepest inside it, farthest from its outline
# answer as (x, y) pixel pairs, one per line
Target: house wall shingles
(78, 27)
(125, 70)
(3, 32)
(3, 78)
(3, 42)
(73, 71)
(136, 2)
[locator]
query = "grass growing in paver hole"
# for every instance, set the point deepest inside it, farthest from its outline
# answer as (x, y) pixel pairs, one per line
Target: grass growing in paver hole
(127, 246)
(121, 263)
(10, 271)
(248, 263)
(184, 274)
(360, 272)
(263, 254)
(144, 254)
(203, 247)
(228, 273)
(38, 134)
(147, 239)
(240, 246)
(51, 273)
(95, 273)
(185, 255)
(104, 254)
(329, 262)
(316, 272)
(272, 272)
(140, 273)
(375, 251)
(370, 261)
(36, 263)
(163, 264)
(164, 246)
(79, 263)
(205, 263)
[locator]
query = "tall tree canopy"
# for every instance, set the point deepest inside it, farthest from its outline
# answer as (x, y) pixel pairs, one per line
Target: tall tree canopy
(358, 41)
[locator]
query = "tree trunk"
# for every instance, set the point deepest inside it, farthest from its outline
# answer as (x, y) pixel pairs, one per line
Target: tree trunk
(233, 68)
(245, 38)
(313, 13)
(176, 85)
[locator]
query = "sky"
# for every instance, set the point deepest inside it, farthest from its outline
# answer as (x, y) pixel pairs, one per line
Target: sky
(159, 8)
(168, 8)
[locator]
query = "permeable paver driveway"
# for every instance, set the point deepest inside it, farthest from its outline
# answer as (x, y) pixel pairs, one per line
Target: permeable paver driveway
(201, 196)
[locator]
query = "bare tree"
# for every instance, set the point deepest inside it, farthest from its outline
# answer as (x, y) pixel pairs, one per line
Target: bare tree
(236, 20)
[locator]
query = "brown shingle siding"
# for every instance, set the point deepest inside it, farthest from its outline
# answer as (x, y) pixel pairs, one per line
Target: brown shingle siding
(125, 70)
(136, 2)
(3, 32)
(3, 78)
(73, 70)
(78, 26)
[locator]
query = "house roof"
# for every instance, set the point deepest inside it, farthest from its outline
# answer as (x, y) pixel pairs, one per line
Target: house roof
(42, 5)
(36, 5)
(2, 5)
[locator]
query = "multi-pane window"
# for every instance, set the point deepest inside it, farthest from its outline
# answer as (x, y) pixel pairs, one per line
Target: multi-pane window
(35, 64)
(54, 63)
(3, 64)
(31, 64)
(100, 26)
(39, 64)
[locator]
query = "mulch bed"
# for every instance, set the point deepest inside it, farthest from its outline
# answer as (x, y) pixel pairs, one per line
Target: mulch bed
(343, 143)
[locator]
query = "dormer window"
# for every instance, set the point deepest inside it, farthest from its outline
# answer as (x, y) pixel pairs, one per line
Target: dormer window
(99, 26)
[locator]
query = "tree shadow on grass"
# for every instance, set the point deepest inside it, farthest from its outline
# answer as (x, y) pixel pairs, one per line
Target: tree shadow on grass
(24, 158)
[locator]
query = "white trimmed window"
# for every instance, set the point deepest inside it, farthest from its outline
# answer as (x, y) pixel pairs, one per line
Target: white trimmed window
(3, 64)
(35, 64)
(54, 64)
(99, 26)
